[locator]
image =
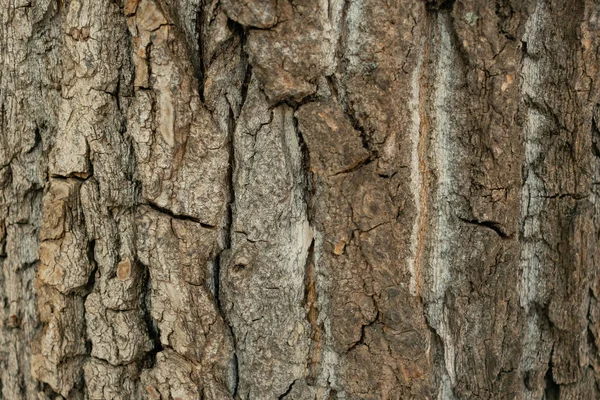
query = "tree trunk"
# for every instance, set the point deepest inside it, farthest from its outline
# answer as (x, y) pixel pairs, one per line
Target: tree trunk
(299, 199)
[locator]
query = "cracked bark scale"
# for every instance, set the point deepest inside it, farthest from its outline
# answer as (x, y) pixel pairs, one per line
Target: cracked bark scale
(260, 199)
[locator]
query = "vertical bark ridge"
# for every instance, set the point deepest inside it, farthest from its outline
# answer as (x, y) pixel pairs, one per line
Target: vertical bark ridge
(442, 226)
(419, 172)
(28, 63)
(558, 364)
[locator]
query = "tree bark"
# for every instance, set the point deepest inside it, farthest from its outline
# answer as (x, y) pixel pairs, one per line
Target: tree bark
(294, 199)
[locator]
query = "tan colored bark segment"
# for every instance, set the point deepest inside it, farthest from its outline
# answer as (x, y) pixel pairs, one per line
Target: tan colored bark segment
(174, 135)
(179, 233)
(362, 298)
(64, 263)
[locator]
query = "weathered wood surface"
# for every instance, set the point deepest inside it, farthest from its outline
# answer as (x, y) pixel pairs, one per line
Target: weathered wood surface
(294, 199)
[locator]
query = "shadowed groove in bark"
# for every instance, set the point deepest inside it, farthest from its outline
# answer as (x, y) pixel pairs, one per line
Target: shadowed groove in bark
(227, 231)
(149, 359)
(440, 5)
(493, 225)
(311, 295)
(181, 217)
(90, 287)
(227, 240)
(552, 389)
(312, 314)
(289, 389)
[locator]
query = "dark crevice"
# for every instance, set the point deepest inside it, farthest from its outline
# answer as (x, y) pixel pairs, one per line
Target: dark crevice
(180, 217)
(591, 340)
(312, 315)
(149, 359)
(149, 57)
(311, 299)
(293, 103)
(37, 140)
(90, 164)
(216, 283)
(524, 48)
(289, 389)
(231, 125)
(3, 119)
(493, 225)
(89, 287)
(309, 184)
(227, 228)
(440, 5)
(238, 29)
(333, 87)
(504, 12)
(250, 240)
(595, 149)
(22, 384)
(216, 277)
(91, 255)
(552, 389)
(246, 83)
(364, 136)
(3, 240)
(118, 92)
(389, 176)
(70, 176)
(361, 340)
(46, 389)
(245, 60)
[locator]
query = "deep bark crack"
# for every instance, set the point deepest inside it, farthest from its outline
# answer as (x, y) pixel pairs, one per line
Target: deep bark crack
(149, 359)
(493, 225)
(181, 217)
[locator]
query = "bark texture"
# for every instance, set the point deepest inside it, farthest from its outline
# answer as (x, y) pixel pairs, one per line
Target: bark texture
(299, 199)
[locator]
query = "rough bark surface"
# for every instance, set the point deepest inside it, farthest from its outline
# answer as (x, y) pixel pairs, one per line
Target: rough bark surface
(294, 199)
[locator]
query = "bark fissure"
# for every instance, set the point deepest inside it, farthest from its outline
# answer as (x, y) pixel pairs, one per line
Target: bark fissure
(173, 215)
(149, 359)
(312, 315)
(493, 225)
